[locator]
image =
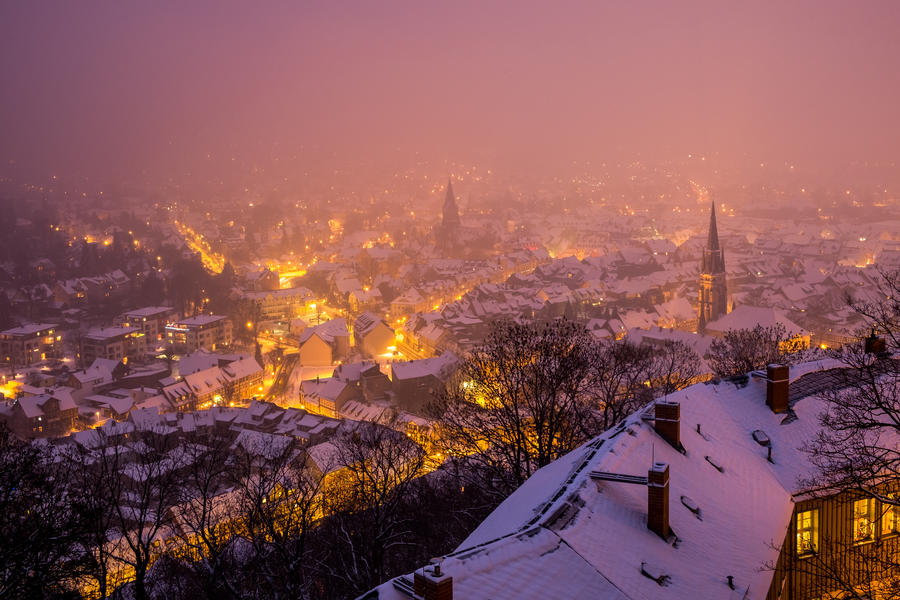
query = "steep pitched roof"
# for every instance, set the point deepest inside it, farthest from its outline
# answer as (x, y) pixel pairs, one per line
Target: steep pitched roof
(564, 521)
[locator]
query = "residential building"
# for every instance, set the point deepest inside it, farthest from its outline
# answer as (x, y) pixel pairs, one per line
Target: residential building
(113, 343)
(30, 343)
(324, 344)
(372, 335)
(209, 332)
(151, 320)
(417, 382)
(44, 415)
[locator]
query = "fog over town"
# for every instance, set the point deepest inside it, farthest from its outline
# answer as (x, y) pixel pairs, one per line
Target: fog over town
(401, 300)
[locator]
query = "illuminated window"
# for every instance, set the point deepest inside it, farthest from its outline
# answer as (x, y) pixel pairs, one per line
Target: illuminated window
(890, 517)
(807, 532)
(863, 520)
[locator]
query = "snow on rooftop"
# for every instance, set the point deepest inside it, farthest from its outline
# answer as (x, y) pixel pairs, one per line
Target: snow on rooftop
(748, 317)
(438, 366)
(563, 521)
(28, 329)
(201, 320)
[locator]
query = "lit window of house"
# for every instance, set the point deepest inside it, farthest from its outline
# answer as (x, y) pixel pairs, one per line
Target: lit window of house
(864, 520)
(807, 532)
(890, 517)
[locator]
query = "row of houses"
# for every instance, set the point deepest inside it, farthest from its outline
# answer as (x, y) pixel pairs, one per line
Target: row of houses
(110, 390)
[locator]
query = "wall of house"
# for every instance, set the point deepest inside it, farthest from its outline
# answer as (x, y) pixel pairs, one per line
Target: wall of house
(839, 560)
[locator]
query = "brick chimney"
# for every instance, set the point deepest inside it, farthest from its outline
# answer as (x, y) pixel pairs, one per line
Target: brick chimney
(431, 583)
(875, 344)
(658, 499)
(777, 387)
(667, 421)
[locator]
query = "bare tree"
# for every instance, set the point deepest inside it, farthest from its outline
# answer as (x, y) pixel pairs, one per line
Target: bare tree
(39, 530)
(366, 500)
(674, 365)
(279, 496)
(620, 375)
(740, 351)
(518, 403)
(208, 511)
(142, 486)
(91, 480)
(882, 313)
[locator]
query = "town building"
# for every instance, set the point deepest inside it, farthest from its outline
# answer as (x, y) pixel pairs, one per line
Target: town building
(230, 384)
(30, 343)
(43, 415)
(282, 305)
(417, 382)
(151, 320)
(113, 343)
(372, 335)
(324, 344)
(209, 332)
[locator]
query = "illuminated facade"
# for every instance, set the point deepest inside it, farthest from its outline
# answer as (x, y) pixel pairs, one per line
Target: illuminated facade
(837, 541)
(29, 344)
(113, 343)
(209, 332)
(713, 290)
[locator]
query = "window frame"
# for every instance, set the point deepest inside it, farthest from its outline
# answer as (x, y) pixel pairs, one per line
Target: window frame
(812, 529)
(870, 503)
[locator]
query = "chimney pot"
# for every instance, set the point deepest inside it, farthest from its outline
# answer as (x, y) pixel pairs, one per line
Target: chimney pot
(433, 585)
(777, 387)
(667, 421)
(658, 499)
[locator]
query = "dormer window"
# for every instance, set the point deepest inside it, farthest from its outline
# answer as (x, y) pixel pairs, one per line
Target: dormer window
(807, 532)
(864, 520)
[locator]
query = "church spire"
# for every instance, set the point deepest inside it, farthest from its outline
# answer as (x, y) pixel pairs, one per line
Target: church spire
(713, 288)
(451, 212)
(712, 241)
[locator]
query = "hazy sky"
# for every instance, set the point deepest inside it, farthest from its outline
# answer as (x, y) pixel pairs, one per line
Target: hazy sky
(107, 88)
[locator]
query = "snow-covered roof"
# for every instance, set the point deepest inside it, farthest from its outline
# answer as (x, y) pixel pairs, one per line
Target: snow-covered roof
(566, 534)
(149, 311)
(201, 320)
(438, 366)
(748, 317)
(28, 329)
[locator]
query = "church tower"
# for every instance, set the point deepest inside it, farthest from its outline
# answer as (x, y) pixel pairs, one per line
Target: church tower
(447, 234)
(713, 292)
(451, 212)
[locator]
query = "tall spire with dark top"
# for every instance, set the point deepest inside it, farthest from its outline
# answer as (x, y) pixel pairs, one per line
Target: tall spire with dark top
(713, 290)
(451, 212)
(712, 241)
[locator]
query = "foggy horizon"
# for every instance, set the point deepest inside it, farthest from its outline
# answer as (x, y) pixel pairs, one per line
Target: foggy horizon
(113, 93)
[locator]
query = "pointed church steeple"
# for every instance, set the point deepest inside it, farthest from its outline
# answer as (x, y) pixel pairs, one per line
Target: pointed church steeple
(712, 241)
(713, 290)
(451, 212)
